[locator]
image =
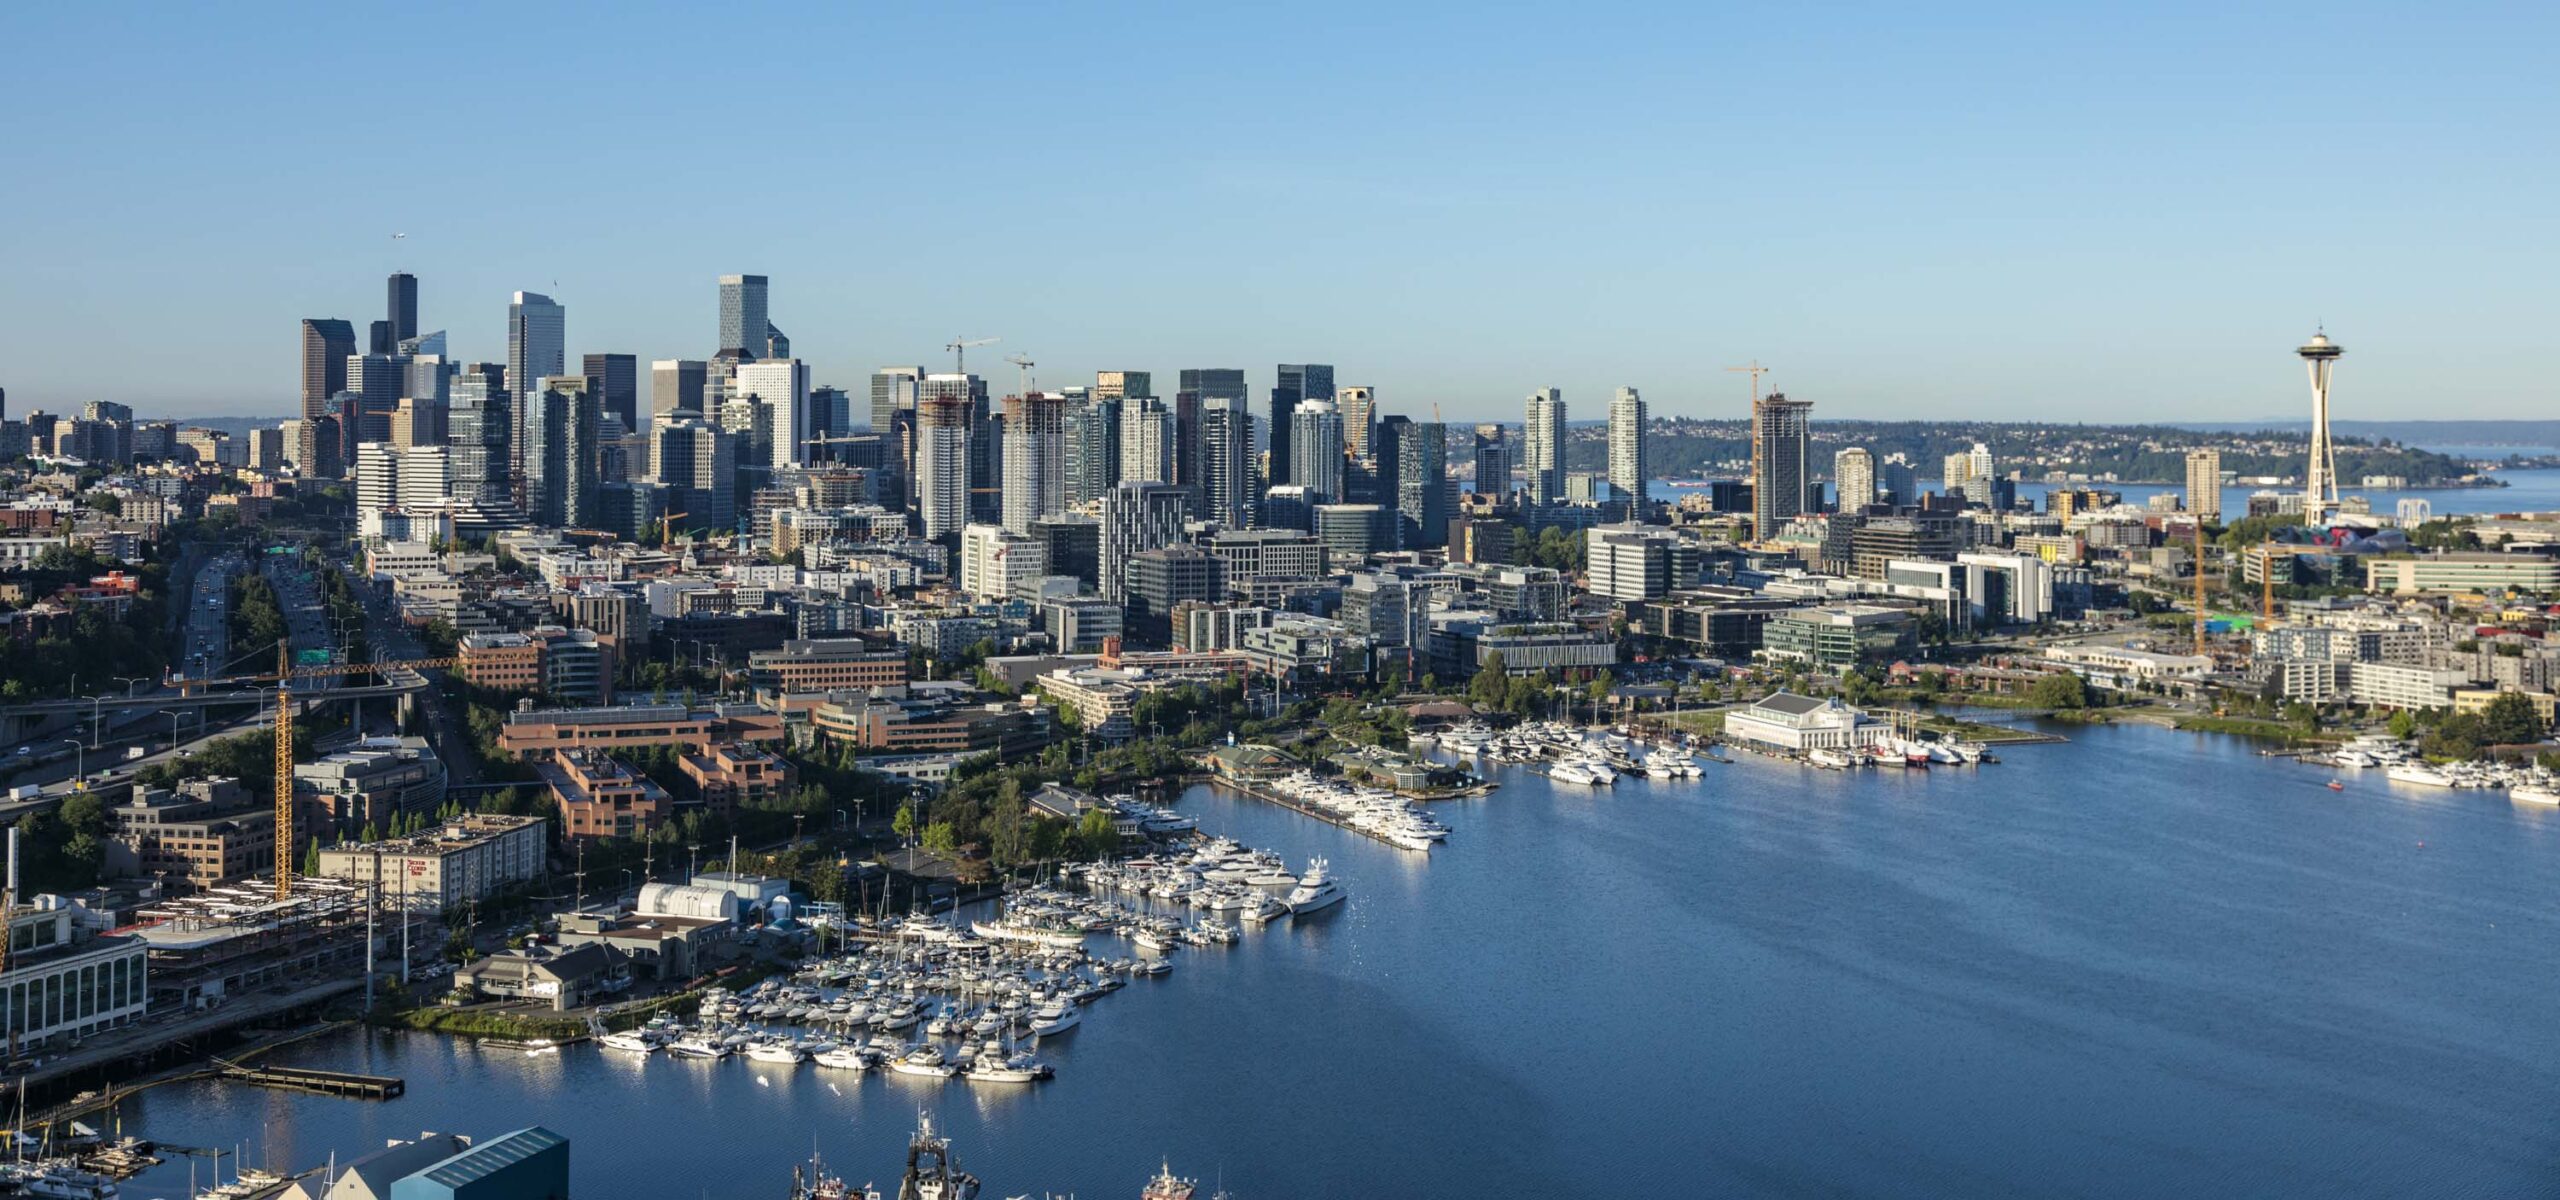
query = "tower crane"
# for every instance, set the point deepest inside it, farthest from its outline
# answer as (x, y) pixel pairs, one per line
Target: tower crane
(285, 673)
(959, 348)
(1024, 362)
(1755, 371)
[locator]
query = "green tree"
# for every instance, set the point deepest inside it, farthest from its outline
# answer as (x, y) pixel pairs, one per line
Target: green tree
(941, 837)
(2060, 690)
(311, 857)
(2510, 719)
(905, 822)
(2455, 738)
(2404, 724)
(1492, 685)
(1601, 685)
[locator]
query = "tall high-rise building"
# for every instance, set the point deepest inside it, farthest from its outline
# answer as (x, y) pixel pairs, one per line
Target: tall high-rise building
(1422, 485)
(1629, 465)
(617, 377)
(745, 330)
(2204, 484)
(479, 426)
(561, 454)
(782, 384)
(942, 464)
(1315, 449)
(1854, 471)
(830, 418)
(1146, 441)
(894, 391)
(2320, 476)
(986, 444)
(537, 342)
(1969, 473)
(327, 344)
(1781, 440)
(1359, 407)
(676, 384)
(1227, 490)
(697, 461)
(1199, 387)
(377, 381)
(1137, 515)
(1543, 446)
(1123, 385)
(1896, 481)
(403, 307)
(1298, 382)
(1493, 461)
(1035, 459)
(1093, 449)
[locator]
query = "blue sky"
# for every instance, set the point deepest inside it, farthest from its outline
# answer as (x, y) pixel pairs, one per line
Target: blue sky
(1907, 211)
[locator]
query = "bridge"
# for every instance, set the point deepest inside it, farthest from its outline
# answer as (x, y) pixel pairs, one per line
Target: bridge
(162, 702)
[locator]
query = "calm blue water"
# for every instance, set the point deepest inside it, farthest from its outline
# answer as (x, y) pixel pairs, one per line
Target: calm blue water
(2142, 964)
(2527, 491)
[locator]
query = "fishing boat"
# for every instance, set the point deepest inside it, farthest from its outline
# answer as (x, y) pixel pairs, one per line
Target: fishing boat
(932, 1172)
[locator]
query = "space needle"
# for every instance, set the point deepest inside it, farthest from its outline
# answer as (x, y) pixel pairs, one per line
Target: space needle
(2320, 491)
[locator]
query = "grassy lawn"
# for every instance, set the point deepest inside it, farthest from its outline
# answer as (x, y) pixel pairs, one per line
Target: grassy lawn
(1709, 724)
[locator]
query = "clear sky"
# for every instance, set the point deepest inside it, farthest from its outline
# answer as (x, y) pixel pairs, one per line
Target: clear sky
(2071, 211)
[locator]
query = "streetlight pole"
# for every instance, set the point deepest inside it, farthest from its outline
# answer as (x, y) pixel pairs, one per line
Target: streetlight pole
(79, 761)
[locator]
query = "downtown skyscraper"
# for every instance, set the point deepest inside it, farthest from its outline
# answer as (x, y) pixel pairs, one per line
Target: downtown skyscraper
(1146, 441)
(327, 343)
(617, 379)
(1229, 489)
(1853, 472)
(1298, 382)
(1493, 461)
(783, 386)
(1781, 438)
(943, 455)
(402, 307)
(537, 342)
(561, 454)
(747, 333)
(1628, 463)
(1093, 449)
(1315, 450)
(1035, 459)
(1543, 444)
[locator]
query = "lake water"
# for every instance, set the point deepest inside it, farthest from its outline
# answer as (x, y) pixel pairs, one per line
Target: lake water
(2536, 490)
(2141, 964)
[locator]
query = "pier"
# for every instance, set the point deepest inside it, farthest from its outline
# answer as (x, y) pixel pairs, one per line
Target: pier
(1296, 806)
(305, 1079)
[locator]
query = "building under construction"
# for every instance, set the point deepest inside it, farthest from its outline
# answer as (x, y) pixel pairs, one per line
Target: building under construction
(239, 937)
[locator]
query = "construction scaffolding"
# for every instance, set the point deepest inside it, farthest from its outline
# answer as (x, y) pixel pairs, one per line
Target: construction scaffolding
(239, 937)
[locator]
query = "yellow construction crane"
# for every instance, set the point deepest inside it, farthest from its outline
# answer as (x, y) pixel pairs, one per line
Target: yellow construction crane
(1755, 371)
(286, 672)
(2199, 573)
(667, 527)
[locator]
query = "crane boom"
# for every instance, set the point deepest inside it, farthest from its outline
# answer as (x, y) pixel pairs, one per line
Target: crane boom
(286, 672)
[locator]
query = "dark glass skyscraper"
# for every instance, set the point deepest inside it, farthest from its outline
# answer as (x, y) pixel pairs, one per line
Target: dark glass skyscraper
(1297, 382)
(403, 307)
(327, 343)
(561, 454)
(617, 378)
(1199, 386)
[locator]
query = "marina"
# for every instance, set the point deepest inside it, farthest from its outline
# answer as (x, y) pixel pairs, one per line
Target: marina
(2073, 975)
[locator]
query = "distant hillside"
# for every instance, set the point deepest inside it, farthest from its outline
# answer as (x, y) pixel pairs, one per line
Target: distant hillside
(2436, 433)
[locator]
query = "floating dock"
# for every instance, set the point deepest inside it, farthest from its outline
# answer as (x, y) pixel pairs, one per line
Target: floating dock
(304, 1079)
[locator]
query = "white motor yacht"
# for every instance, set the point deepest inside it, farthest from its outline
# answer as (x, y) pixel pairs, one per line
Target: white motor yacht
(777, 1052)
(2418, 773)
(843, 1059)
(1315, 889)
(2533, 795)
(632, 1042)
(698, 1046)
(924, 1060)
(1570, 771)
(1055, 1017)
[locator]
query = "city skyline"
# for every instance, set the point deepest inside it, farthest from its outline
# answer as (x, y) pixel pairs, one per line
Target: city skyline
(1891, 241)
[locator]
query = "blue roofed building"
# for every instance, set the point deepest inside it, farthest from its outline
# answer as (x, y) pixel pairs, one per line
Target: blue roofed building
(529, 1164)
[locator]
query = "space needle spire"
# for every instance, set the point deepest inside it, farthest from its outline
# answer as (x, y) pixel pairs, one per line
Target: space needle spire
(2320, 479)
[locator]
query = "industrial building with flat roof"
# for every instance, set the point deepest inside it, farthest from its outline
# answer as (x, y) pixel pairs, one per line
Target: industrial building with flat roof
(536, 732)
(472, 857)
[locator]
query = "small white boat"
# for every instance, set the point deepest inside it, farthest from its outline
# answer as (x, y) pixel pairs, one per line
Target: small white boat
(924, 1060)
(698, 1046)
(777, 1052)
(1054, 1018)
(2419, 773)
(2533, 795)
(842, 1059)
(631, 1042)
